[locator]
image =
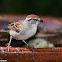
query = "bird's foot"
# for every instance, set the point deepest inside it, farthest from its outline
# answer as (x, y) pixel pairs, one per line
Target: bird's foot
(8, 48)
(31, 48)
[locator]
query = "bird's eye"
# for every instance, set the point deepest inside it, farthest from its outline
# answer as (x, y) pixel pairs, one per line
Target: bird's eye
(35, 19)
(29, 19)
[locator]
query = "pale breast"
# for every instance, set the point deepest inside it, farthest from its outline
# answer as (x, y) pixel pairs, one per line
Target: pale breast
(28, 33)
(24, 34)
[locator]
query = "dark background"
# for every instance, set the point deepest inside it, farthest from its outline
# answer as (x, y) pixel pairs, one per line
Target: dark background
(42, 7)
(48, 10)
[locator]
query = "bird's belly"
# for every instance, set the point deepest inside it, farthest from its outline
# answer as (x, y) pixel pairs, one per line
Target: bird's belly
(23, 35)
(26, 35)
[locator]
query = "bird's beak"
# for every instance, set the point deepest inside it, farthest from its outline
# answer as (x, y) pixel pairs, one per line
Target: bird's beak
(41, 20)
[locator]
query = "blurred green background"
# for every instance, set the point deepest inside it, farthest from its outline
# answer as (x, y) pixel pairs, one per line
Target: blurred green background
(43, 7)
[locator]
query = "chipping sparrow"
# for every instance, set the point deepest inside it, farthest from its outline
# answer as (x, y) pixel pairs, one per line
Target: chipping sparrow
(24, 29)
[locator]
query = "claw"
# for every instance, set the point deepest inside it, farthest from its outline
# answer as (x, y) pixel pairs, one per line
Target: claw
(8, 48)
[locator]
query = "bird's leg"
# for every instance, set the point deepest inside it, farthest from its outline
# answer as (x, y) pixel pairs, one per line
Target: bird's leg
(27, 45)
(9, 43)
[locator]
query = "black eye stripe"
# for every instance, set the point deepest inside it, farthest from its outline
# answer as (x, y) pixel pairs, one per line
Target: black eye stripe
(35, 19)
(29, 19)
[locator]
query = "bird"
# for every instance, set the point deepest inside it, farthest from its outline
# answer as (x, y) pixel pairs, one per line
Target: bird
(24, 29)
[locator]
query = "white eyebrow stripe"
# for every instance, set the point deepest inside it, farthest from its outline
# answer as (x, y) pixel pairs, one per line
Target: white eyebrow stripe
(28, 18)
(32, 18)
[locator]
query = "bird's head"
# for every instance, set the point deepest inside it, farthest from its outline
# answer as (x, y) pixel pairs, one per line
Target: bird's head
(33, 19)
